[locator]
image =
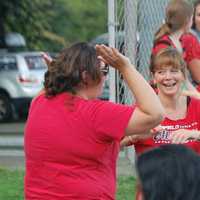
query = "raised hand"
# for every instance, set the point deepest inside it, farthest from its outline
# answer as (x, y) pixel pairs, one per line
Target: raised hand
(112, 57)
(47, 58)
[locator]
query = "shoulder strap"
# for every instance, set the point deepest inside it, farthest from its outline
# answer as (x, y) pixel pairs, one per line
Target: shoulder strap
(166, 42)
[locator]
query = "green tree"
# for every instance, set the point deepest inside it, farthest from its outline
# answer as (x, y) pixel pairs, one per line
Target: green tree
(79, 20)
(25, 17)
(53, 24)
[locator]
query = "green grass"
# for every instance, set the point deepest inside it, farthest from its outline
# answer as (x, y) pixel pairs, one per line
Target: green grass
(126, 188)
(11, 186)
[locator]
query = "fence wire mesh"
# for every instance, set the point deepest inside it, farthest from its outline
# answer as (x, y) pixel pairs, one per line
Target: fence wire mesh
(136, 23)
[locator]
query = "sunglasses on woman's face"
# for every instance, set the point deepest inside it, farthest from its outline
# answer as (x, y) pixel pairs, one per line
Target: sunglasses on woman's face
(105, 70)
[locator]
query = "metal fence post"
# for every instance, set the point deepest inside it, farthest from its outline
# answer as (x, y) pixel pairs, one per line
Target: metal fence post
(111, 32)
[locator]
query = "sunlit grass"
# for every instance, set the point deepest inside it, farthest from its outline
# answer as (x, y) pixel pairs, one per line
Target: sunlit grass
(11, 185)
(126, 188)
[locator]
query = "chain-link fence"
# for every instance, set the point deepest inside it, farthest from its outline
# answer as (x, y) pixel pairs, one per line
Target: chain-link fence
(135, 22)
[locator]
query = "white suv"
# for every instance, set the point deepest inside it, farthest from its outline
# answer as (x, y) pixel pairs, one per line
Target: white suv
(21, 78)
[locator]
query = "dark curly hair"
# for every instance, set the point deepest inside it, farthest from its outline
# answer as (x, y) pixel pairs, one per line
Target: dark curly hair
(65, 72)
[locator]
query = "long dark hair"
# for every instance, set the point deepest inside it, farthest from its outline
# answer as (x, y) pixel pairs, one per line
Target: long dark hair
(65, 72)
(196, 3)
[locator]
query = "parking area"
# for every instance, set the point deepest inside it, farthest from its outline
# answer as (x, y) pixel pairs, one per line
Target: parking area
(11, 145)
(12, 154)
(14, 128)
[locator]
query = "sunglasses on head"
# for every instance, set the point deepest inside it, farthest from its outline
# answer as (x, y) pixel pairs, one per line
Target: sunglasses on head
(105, 70)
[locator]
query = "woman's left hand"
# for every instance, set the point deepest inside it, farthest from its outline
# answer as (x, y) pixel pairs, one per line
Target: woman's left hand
(47, 58)
(191, 93)
(112, 56)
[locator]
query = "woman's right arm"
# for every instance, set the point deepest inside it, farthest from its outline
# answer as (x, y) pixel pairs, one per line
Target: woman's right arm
(149, 111)
(194, 68)
(192, 55)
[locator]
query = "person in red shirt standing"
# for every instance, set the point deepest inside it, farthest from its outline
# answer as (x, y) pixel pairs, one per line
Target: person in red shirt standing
(72, 138)
(175, 32)
(196, 20)
(181, 124)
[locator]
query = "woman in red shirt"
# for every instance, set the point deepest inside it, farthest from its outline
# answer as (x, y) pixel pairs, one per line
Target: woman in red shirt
(196, 20)
(72, 138)
(182, 122)
(175, 32)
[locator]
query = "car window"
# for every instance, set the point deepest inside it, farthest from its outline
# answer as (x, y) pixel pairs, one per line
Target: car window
(35, 62)
(8, 63)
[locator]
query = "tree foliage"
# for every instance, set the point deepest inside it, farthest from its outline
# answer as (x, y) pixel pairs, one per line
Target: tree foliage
(52, 24)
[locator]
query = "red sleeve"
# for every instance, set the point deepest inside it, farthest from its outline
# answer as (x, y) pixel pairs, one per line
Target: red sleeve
(194, 110)
(109, 120)
(198, 87)
(191, 47)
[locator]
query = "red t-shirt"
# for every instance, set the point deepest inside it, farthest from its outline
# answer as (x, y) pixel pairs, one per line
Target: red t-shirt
(190, 46)
(71, 147)
(198, 88)
(191, 121)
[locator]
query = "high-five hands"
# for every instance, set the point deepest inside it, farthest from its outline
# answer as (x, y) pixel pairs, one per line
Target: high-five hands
(131, 139)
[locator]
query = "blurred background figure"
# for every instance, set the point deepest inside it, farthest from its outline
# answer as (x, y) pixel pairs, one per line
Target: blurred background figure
(175, 32)
(196, 20)
(169, 172)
